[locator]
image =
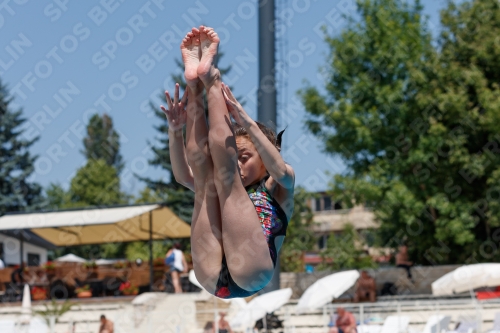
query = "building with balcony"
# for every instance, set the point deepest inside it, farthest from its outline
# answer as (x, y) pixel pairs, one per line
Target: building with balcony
(330, 217)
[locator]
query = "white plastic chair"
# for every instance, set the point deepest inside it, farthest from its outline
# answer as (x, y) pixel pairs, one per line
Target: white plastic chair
(37, 325)
(437, 324)
(434, 324)
(7, 326)
(392, 324)
(496, 324)
(466, 326)
(395, 324)
(369, 328)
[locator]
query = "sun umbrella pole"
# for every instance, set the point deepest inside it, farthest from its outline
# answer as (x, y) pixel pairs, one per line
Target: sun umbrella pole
(478, 311)
(150, 319)
(151, 252)
(324, 319)
(439, 321)
(216, 323)
(287, 319)
(52, 323)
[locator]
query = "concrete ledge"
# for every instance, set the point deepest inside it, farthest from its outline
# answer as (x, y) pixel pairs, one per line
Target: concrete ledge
(423, 276)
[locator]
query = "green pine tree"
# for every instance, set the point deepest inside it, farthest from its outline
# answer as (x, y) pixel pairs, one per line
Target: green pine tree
(103, 142)
(17, 192)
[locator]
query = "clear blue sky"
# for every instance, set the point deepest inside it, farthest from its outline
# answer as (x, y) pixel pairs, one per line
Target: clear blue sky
(64, 60)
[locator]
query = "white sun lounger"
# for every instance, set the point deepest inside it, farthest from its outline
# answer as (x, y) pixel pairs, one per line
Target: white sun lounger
(466, 326)
(395, 324)
(437, 324)
(7, 326)
(496, 324)
(38, 325)
(392, 324)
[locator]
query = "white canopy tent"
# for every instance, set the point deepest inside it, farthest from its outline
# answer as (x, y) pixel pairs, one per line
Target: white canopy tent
(70, 257)
(100, 225)
(104, 262)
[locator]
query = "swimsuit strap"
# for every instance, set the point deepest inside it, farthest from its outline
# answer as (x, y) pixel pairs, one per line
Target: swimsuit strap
(272, 217)
(279, 211)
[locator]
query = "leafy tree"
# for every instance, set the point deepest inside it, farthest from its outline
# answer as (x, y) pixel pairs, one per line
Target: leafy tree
(299, 236)
(345, 251)
(102, 141)
(140, 250)
(465, 114)
(96, 184)
(417, 125)
(17, 192)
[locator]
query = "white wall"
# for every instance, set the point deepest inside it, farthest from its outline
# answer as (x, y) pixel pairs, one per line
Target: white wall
(11, 251)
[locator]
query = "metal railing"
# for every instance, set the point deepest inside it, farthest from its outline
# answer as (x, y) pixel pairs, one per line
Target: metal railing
(418, 310)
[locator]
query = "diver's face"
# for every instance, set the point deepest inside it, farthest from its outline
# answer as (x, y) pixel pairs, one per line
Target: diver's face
(251, 167)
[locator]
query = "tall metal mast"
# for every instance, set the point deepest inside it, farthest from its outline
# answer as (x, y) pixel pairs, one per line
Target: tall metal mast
(266, 110)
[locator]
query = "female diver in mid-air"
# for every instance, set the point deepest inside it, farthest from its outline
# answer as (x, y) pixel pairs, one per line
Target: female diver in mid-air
(243, 187)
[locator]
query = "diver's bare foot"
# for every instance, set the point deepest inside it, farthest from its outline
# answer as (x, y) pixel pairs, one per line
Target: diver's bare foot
(209, 43)
(190, 49)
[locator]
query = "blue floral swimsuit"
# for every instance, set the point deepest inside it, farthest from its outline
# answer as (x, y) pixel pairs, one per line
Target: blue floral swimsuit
(274, 223)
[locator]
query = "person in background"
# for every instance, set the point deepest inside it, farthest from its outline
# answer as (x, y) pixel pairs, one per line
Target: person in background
(365, 288)
(345, 323)
(223, 324)
(177, 262)
(403, 262)
(107, 325)
(17, 276)
(72, 328)
(209, 327)
(29, 277)
(41, 277)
